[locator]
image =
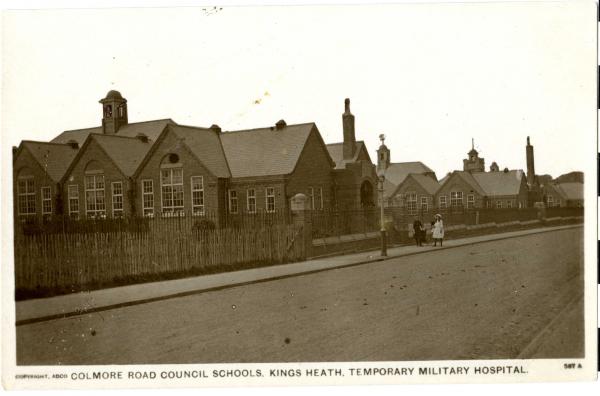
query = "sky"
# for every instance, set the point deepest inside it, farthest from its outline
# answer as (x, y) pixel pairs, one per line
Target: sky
(429, 76)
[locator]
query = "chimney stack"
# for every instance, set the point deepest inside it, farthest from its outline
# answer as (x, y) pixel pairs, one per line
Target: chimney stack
(530, 163)
(349, 135)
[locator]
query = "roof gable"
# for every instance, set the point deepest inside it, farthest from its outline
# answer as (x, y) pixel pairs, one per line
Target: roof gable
(465, 177)
(571, 190)
(500, 183)
(265, 151)
(396, 172)
(205, 145)
(53, 158)
(336, 152)
(127, 153)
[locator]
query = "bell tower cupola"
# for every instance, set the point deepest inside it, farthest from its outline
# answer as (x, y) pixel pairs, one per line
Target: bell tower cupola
(114, 112)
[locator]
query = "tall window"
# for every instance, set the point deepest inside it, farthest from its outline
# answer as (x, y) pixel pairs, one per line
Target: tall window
(171, 181)
(443, 202)
(411, 202)
(470, 201)
(319, 198)
(148, 198)
(550, 201)
(558, 202)
(94, 196)
(251, 200)
(498, 204)
(509, 204)
(311, 197)
(424, 203)
(117, 198)
(456, 198)
(26, 193)
(233, 202)
(197, 195)
(46, 201)
(489, 203)
(73, 196)
(270, 199)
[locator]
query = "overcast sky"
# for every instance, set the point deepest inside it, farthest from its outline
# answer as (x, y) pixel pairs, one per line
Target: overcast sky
(430, 77)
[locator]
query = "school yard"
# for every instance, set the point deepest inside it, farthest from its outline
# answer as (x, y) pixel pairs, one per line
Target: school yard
(488, 300)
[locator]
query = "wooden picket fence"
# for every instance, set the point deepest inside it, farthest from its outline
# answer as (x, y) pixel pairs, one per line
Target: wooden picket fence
(53, 261)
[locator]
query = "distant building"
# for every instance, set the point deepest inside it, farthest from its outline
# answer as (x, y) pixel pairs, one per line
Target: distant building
(568, 194)
(415, 193)
(506, 189)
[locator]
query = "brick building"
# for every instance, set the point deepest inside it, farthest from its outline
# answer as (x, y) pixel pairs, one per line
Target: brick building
(162, 168)
(355, 179)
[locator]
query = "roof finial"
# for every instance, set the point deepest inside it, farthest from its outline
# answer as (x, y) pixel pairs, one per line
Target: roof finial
(472, 143)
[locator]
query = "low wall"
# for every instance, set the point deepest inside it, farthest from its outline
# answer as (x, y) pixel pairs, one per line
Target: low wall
(370, 241)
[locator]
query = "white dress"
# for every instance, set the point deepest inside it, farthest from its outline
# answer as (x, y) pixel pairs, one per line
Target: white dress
(438, 230)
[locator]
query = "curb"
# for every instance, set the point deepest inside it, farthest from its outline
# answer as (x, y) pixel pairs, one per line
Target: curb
(269, 279)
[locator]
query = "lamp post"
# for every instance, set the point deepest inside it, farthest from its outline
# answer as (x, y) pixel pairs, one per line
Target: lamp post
(381, 179)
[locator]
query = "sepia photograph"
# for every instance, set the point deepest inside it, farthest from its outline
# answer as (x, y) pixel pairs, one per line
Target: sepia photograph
(317, 194)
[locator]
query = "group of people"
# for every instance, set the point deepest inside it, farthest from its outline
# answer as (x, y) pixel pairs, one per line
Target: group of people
(437, 234)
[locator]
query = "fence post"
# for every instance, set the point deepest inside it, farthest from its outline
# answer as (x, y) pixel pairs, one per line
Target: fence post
(302, 217)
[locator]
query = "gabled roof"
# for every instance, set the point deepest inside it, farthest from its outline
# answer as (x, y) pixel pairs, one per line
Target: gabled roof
(126, 152)
(336, 151)
(428, 183)
(53, 157)
(265, 151)
(205, 144)
(467, 177)
(397, 171)
(149, 128)
(571, 190)
(500, 183)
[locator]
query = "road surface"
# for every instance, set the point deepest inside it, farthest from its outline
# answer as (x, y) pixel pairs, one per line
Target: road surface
(484, 301)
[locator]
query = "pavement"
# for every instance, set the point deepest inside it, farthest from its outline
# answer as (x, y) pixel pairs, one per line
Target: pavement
(38, 310)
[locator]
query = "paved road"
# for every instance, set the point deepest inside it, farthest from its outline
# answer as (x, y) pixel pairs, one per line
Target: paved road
(484, 301)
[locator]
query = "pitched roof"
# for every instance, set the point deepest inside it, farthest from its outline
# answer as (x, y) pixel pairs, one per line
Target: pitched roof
(428, 183)
(336, 151)
(572, 190)
(205, 144)
(126, 152)
(397, 171)
(265, 151)
(149, 128)
(467, 177)
(54, 158)
(499, 183)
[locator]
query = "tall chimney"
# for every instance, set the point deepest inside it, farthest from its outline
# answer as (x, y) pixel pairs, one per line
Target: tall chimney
(530, 163)
(349, 136)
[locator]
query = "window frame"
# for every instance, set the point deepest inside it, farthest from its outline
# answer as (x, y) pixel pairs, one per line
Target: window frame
(459, 201)
(26, 197)
(267, 196)
(470, 201)
(200, 192)
(173, 209)
(412, 206)
(73, 199)
(443, 202)
(424, 203)
(96, 212)
(46, 200)
(116, 211)
(147, 211)
(251, 197)
(233, 198)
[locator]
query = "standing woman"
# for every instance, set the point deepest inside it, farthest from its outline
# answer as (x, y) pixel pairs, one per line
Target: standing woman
(438, 230)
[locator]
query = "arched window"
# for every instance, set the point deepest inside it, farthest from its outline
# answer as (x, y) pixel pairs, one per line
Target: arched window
(95, 203)
(171, 185)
